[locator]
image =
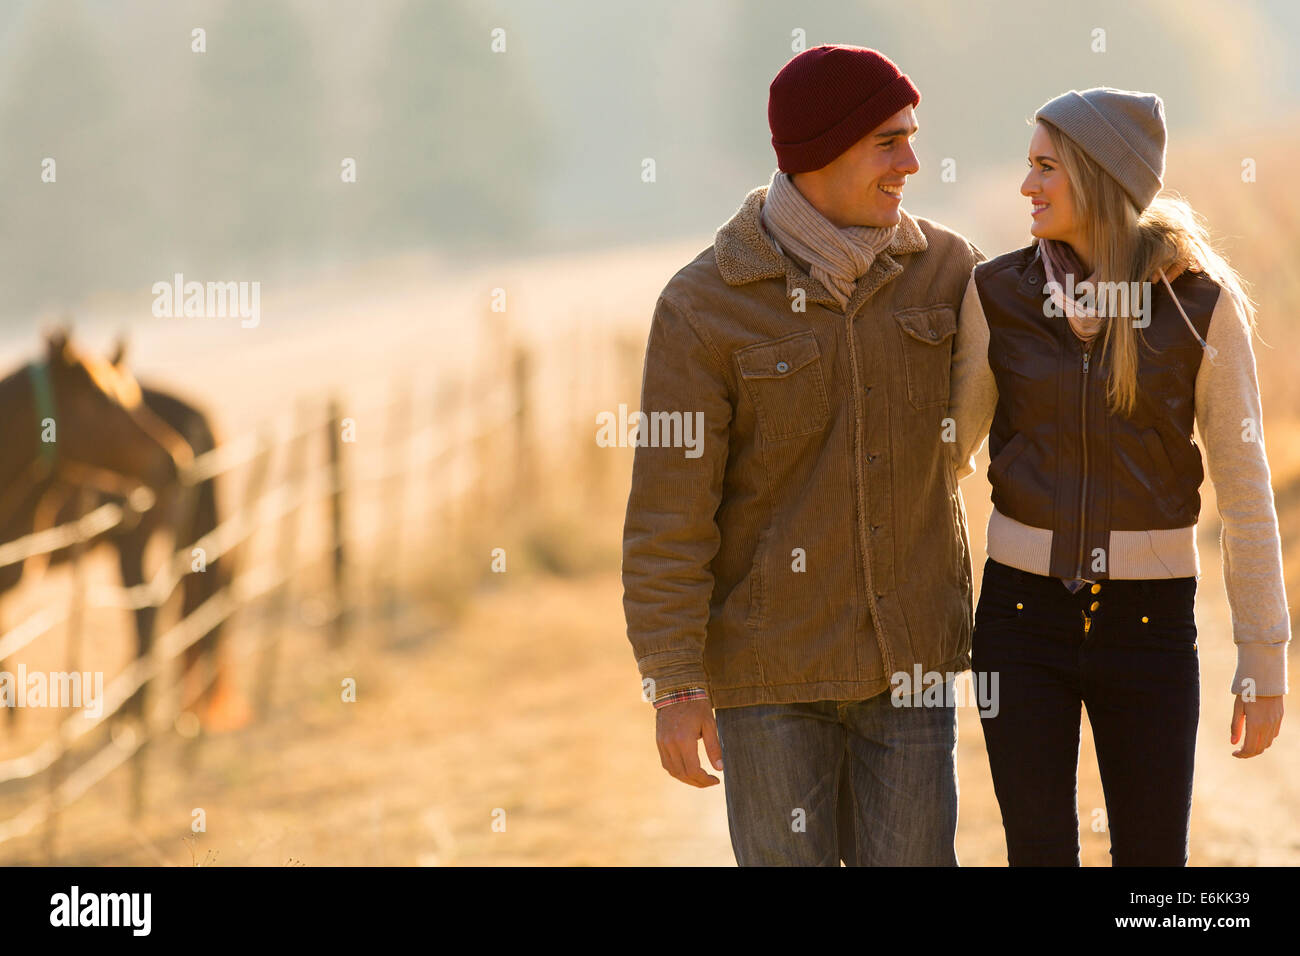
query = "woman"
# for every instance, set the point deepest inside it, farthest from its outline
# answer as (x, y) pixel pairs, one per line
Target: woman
(1088, 391)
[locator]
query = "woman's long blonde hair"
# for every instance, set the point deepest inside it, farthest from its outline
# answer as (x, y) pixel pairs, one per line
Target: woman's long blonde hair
(1128, 246)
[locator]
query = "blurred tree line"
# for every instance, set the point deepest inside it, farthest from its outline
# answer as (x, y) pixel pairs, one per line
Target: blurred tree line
(227, 164)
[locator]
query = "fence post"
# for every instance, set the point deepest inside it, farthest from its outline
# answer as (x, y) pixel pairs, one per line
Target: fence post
(629, 366)
(444, 506)
(587, 458)
(341, 618)
(388, 563)
(525, 473)
(476, 415)
(76, 623)
(278, 605)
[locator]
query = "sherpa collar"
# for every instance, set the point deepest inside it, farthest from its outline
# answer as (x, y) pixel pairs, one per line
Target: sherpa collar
(745, 253)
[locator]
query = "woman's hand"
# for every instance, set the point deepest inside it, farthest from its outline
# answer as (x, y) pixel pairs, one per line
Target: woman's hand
(1263, 722)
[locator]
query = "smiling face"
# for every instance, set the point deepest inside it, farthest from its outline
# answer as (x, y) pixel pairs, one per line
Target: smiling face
(863, 186)
(1048, 188)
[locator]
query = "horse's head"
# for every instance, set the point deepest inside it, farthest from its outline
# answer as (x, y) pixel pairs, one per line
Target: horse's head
(103, 422)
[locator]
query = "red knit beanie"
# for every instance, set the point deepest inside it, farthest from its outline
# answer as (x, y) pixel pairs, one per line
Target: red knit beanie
(829, 97)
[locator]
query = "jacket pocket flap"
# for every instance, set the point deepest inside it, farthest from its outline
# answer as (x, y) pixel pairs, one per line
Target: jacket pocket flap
(779, 358)
(931, 324)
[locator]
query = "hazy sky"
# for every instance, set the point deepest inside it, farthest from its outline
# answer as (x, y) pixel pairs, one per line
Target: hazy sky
(230, 159)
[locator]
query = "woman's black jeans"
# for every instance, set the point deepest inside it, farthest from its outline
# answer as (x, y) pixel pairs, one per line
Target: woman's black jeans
(1127, 651)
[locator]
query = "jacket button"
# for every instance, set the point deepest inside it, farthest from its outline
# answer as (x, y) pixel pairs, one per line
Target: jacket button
(871, 458)
(1094, 605)
(783, 366)
(934, 334)
(1096, 589)
(875, 528)
(1033, 280)
(879, 596)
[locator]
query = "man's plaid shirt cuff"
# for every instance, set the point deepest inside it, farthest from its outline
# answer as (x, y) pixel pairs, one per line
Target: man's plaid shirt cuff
(676, 696)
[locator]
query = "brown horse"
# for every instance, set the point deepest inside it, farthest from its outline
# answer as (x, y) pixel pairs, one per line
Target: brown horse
(221, 707)
(113, 435)
(74, 420)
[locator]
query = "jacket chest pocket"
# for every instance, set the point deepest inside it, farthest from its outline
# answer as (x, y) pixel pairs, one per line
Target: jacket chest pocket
(784, 380)
(927, 333)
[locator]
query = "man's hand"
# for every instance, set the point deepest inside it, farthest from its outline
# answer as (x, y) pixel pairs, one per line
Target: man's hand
(1263, 720)
(1175, 269)
(678, 729)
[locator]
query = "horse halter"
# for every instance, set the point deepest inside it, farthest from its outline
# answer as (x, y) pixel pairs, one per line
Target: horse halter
(47, 458)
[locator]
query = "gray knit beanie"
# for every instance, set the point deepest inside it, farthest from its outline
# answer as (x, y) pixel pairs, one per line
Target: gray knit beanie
(1123, 131)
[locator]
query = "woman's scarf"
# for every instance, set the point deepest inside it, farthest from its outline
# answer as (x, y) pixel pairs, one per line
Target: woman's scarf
(1060, 260)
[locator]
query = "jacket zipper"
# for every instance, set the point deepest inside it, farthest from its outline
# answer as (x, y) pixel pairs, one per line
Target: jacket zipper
(1083, 437)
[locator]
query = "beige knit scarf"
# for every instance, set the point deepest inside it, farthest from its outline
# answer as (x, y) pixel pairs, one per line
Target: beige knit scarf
(837, 258)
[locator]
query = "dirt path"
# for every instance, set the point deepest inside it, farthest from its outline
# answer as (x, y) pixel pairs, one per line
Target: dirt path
(530, 706)
(527, 710)
(542, 721)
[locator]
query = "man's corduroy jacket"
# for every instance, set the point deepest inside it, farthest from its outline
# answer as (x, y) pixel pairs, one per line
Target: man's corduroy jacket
(814, 543)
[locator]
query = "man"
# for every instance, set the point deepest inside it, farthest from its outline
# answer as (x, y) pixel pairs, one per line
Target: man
(812, 544)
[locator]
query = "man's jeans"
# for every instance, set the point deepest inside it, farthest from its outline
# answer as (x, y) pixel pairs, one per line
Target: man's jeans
(786, 765)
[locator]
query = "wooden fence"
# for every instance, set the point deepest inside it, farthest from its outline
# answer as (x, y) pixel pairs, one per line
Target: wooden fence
(481, 445)
(471, 435)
